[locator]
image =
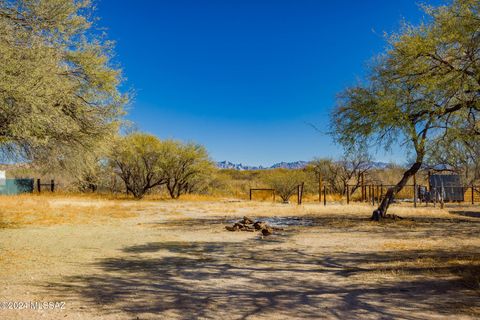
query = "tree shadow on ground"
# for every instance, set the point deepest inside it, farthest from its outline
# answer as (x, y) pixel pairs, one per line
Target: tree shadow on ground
(466, 213)
(259, 278)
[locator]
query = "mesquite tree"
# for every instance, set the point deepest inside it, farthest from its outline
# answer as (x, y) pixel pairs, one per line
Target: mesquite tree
(136, 159)
(285, 181)
(59, 92)
(424, 89)
(183, 165)
(354, 164)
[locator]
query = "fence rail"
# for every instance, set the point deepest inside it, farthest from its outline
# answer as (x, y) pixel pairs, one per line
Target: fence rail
(50, 185)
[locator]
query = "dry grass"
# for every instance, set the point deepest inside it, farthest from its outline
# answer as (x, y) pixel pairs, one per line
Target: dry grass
(42, 210)
(50, 209)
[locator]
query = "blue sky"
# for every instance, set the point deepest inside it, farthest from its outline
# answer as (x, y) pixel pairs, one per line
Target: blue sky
(245, 78)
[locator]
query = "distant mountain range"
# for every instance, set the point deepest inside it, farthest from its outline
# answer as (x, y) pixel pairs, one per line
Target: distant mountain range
(237, 166)
(284, 165)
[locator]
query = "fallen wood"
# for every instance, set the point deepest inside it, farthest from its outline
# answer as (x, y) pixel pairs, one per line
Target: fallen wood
(247, 224)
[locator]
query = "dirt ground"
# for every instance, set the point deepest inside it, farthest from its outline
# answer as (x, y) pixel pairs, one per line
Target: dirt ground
(123, 259)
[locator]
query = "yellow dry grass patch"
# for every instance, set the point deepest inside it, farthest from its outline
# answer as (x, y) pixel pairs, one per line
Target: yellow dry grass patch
(16, 211)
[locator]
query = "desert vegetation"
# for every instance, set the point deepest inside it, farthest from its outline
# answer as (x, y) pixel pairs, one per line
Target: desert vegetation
(424, 91)
(136, 226)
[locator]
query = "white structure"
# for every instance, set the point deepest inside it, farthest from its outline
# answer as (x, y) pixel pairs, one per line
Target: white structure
(3, 178)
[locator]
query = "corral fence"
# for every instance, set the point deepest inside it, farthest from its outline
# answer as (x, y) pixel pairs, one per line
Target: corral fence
(417, 194)
(298, 188)
(374, 194)
(45, 186)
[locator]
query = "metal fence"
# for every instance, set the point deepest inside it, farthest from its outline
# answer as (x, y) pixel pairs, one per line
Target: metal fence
(415, 193)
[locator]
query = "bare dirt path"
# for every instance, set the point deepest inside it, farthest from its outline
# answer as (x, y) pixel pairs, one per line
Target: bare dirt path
(174, 260)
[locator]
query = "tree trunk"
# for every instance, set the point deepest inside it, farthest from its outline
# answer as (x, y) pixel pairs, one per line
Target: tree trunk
(381, 211)
(171, 189)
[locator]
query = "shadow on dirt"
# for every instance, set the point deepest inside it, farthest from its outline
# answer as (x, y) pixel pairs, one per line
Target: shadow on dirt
(259, 278)
(471, 214)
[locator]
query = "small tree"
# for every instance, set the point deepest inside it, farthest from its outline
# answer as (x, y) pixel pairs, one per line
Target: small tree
(329, 172)
(285, 181)
(137, 158)
(183, 166)
(337, 174)
(354, 164)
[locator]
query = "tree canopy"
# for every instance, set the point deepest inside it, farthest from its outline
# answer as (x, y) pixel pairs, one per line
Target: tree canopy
(285, 181)
(423, 90)
(137, 159)
(59, 90)
(144, 162)
(183, 164)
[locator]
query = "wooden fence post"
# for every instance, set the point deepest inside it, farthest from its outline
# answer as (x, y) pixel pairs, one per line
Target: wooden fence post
(363, 186)
(414, 191)
(39, 186)
(52, 185)
(373, 196)
(319, 187)
(324, 195)
(441, 197)
(299, 199)
(250, 194)
(473, 194)
(301, 193)
(348, 194)
(273, 195)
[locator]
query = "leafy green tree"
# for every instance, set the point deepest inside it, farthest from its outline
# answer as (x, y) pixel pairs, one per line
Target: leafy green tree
(184, 166)
(137, 159)
(424, 89)
(285, 181)
(59, 93)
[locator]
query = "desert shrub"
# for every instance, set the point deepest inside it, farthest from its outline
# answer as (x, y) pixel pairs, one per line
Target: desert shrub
(284, 181)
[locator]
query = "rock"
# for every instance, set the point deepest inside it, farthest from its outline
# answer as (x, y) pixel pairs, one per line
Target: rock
(247, 224)
(249, 229)
(267, 231)
(239, 225)
(247, 220)
(259, 225)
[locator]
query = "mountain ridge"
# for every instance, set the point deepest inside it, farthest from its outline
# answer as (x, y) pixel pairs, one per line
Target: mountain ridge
(284, 165)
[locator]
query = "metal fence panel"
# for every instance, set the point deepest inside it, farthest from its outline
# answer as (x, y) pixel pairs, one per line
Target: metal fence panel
(16, 186)
(449, 185)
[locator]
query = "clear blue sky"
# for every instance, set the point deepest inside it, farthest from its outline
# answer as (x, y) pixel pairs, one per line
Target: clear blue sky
(245, 77)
